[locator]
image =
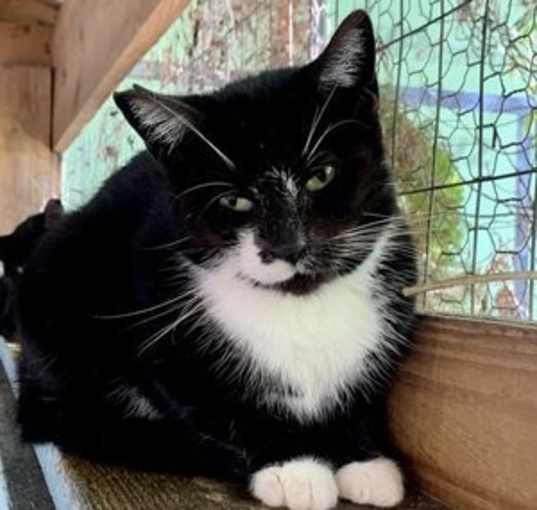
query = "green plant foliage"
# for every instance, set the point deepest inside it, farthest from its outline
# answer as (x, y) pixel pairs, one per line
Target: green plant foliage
(411, 151)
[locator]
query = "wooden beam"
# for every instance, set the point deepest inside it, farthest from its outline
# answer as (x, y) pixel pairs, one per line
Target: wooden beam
(95, 44)
(464, 411)
(28, 11)
(25, 44)
(29, 171)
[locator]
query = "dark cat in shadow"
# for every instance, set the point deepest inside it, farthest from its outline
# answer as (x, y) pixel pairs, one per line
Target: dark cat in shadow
(15, 250)
(230, 303)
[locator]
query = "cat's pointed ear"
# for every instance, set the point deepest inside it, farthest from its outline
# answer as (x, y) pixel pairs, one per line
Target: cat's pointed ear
(349, 59)
(162, 121)
(53, 213)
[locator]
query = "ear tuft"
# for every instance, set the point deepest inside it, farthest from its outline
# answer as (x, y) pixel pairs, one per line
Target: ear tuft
(160, 120)
(53, 213)
(349, 59)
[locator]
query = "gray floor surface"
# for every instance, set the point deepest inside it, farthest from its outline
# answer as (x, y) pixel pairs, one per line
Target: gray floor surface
(22, 477)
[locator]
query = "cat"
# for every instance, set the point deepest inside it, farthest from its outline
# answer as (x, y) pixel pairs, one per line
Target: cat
(230, 302)
(15, 250)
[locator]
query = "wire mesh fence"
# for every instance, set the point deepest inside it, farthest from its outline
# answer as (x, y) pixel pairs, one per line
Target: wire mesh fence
(458, 101)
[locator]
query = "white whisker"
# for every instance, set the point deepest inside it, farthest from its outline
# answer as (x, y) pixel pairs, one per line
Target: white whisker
(327, 131)
(145, 310)
(212, 201)
(151, 341)
(202, 186)
(168, 245)
(184, 120)
(316, 119)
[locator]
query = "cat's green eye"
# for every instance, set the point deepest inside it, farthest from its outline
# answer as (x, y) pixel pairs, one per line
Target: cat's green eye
(321, 178)
(236, 203)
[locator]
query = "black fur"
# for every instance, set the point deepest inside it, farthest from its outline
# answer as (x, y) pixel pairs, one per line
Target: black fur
(15, 250)
(82, 336)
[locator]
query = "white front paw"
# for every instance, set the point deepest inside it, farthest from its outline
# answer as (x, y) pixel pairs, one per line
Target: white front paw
(377, 482)
(300, 484)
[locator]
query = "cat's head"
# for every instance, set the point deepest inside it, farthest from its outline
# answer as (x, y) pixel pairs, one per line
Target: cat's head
(280, 174)
(15, 250)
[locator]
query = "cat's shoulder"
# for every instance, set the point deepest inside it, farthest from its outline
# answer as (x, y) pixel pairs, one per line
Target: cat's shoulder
(125, 199)
(142, 176)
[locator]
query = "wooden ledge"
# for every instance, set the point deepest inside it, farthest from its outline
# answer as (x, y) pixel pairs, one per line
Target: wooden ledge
(464, 411)
(77, 484)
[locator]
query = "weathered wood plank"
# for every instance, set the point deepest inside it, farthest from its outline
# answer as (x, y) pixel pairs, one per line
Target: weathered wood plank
(29, 171)
(464, 410)
(28, 11)
(25, 44)
(95, 44)
(53, 3)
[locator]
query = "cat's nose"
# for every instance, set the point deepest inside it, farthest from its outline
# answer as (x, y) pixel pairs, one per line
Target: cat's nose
(291, 252)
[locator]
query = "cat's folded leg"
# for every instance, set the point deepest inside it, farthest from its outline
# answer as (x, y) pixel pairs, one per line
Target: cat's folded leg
(161, 445)
(314, 466)
(158, 445)
(362, 453)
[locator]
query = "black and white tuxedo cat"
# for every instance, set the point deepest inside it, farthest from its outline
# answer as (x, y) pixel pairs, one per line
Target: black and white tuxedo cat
(229, 304)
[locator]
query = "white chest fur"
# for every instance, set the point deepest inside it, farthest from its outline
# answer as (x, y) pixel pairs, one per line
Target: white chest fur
(317, 344)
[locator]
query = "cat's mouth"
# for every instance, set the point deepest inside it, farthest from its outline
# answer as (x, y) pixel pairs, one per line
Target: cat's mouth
(299, 284)
(278, 274)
